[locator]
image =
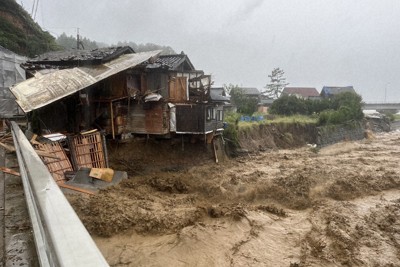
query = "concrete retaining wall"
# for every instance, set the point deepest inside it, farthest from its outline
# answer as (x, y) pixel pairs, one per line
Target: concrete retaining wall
(331, 134)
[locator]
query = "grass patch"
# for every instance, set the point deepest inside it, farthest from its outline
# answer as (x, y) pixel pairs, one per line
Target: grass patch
(396, 117)
(295, 119)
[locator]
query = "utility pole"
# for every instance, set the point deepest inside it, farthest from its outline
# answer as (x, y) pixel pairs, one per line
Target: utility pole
(77, 38)
(78, 41)
(386, 90)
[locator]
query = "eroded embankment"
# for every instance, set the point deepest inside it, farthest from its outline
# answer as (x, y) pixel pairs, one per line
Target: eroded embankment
(261, 137)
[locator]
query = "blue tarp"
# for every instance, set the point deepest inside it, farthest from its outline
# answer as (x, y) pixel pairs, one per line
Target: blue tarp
(251, 118)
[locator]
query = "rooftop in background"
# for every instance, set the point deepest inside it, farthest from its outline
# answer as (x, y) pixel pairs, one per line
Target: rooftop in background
(250, 91)
(219, 90)
(81, 57)
(305, 92)
(328, 91)
(218, 94)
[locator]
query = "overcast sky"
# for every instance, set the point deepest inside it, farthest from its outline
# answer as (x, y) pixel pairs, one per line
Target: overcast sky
(316, 42)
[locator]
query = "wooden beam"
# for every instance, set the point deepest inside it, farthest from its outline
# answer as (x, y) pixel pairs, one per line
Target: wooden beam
(9, 171)
(8, 147)
(76, 188)
(112, 120)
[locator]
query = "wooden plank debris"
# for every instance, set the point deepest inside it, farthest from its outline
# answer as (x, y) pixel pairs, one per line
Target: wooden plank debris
(7, 147)
(58, 163)
(76, 188)
(9, 171)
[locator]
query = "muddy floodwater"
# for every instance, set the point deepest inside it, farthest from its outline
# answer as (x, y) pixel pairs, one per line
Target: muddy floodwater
(337, 206)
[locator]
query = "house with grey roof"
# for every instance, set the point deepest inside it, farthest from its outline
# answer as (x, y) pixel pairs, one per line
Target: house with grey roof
(330, 91)
(251, 91)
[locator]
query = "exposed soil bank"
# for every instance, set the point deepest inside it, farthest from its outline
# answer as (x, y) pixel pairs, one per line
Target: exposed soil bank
(277, 135)
(261, 137)
(337, 207)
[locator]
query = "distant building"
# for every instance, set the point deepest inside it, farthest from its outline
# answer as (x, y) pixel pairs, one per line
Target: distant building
(251, 91)
(302, 92)
(330, 91)
(264, 104)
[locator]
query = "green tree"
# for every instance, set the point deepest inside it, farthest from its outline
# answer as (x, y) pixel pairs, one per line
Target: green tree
(244, 103)
(69, 42)
(341, 108)
(289, 105)
(277, 82)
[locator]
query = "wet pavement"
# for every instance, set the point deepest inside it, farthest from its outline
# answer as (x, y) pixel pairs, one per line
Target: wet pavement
(16, 241)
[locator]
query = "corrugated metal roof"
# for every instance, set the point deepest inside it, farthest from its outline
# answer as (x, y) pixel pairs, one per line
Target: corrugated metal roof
(42, 90)
(70, 56)
(303, 91)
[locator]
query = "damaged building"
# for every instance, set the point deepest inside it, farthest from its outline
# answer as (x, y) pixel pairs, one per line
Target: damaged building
(120, 93)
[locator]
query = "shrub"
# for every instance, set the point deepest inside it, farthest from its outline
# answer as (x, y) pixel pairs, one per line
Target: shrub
(231, 129)
(339, 109)
(288, 105)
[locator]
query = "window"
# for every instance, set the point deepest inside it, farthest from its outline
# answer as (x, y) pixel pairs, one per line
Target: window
(220, 115)
(211, 114)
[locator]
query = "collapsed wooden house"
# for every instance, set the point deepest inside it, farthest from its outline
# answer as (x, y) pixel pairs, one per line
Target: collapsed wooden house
(119, 92)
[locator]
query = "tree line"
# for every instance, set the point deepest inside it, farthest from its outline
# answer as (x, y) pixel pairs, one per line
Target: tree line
(70, 42)
(338, 109)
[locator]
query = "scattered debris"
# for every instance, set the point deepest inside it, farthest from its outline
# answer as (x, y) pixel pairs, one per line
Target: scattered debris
(57, 165)
(78, 163)
(105, 174)
(87, 150)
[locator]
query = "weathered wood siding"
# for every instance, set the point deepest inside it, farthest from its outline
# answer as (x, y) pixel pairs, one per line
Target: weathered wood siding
(148, 118)
(178, 90)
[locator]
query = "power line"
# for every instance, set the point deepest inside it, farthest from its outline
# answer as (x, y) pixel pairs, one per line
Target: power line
(37, 4)
(33, 7)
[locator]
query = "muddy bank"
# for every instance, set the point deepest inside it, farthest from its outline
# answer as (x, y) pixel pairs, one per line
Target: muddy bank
(262, 137)
(301, 207)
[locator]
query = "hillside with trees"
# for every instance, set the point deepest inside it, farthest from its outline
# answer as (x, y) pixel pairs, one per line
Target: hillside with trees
(20, 34)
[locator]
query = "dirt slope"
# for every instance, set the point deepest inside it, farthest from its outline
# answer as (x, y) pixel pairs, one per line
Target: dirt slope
(337, 207)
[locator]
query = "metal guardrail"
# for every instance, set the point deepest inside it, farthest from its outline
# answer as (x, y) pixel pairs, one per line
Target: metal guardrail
(60, 237)
(372, 106)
